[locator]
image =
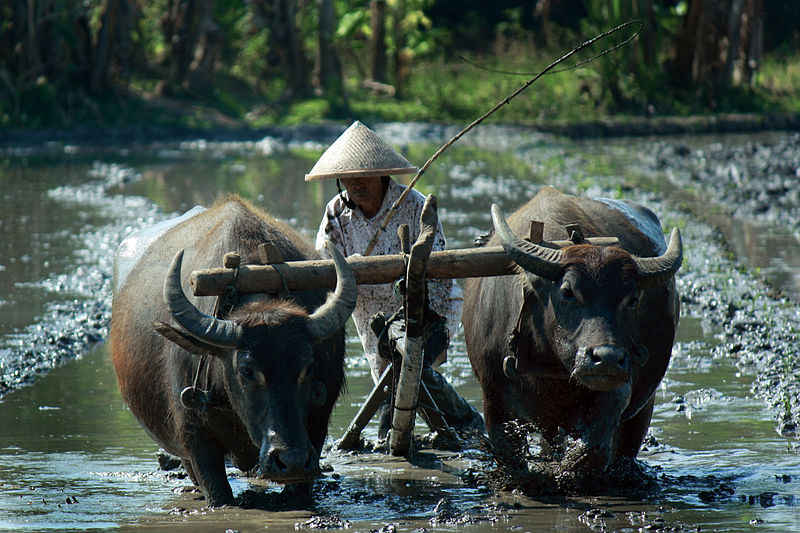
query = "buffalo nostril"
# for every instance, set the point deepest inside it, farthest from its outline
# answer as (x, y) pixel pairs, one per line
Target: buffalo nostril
(280, 466)
(292, 460)
(609, 355)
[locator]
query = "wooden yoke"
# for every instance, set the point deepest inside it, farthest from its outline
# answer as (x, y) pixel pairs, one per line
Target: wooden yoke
(316, 274)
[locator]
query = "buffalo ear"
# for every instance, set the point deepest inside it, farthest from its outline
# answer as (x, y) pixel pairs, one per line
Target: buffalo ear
(185, 340)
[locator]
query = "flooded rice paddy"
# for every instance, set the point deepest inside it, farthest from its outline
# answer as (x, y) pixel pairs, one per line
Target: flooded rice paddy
(722, 447)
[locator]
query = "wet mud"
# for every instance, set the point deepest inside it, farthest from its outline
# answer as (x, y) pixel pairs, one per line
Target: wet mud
(759, 324)
(757, 180)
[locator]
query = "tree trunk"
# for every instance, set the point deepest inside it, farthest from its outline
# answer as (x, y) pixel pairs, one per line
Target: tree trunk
(104, 48)
(32, 59)
(401, 54)
(124, 50)
(648, 38)
(687, 50)
(717, 40)
(734, 38)
(83, 49)
(297, 63)
(208, 44)
(755, 47)
(328, 77)
(183, 27)
(541, 14)
(699, 52)
(378, 41)
(208, 52)
(284, 49)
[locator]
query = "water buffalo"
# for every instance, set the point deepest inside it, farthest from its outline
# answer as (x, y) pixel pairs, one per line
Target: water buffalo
(591, 330)
(266, 377)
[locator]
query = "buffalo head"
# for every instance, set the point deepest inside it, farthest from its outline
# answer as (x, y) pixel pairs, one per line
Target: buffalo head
(266, 351)
(592, 312)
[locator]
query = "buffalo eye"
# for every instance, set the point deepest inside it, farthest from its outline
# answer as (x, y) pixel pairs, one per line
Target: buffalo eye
(633, 300)
(566, 292)
(630, 302)
(245, 366)
(247, 371)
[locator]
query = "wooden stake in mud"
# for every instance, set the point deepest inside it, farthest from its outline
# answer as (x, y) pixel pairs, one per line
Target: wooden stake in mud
(408, 384)
(390, 214)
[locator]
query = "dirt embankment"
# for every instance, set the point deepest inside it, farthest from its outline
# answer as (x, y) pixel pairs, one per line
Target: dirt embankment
(602, 127)
(657, 125)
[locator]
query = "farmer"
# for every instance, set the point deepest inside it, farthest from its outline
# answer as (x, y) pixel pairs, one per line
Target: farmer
(362, 162)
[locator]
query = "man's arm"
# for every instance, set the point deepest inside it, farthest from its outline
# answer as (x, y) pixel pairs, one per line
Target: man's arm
(330, 229)
(444, 294)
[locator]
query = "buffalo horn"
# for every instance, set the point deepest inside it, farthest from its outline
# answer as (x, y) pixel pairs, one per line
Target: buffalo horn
(539, 260)
(334, 313)
(655, 271)
(214, 331)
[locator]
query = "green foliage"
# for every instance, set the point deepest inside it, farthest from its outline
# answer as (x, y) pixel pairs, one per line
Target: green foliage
(463, 91)
(434, 84)
(405, 20)
(779, 82)
(148, 33)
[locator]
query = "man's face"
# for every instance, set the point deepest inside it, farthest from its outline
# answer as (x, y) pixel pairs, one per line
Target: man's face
(367, 193)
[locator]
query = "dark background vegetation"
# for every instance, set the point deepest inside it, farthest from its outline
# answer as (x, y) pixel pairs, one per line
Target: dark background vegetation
(246, 63)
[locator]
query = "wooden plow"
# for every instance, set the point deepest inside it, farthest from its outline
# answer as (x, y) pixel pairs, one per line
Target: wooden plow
(415, 264)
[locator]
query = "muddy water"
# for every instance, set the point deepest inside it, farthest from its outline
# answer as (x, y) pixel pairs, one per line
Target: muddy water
(73, 458)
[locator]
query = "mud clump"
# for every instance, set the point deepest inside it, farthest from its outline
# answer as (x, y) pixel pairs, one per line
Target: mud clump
(324, 522)
(547, 469)
(447, 512)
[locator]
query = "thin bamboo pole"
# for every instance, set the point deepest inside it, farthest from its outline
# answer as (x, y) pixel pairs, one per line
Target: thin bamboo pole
(507, 100)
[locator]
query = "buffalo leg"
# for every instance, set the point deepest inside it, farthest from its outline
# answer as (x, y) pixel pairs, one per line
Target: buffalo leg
(187, 465)
(631, 433)
(598, 428)
(508, 444)
(208, 464)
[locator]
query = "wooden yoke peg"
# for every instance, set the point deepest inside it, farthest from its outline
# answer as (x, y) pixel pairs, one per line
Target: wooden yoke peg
(536, 233)
(269, 254)
(231, 260)
(575, 234)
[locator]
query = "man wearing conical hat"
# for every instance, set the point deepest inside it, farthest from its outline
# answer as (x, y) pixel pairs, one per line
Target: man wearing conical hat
(363, 163)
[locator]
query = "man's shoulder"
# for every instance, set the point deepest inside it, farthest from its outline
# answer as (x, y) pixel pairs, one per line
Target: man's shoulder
(335, 206)
(414, 196)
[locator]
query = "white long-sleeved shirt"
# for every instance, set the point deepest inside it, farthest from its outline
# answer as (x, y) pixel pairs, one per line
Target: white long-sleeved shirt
(350, 230)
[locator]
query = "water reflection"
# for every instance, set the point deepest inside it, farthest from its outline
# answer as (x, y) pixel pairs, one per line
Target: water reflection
(71, 455)
(274, 182)
(38, 236)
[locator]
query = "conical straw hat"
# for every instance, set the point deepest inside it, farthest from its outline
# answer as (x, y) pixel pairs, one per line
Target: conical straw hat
(359, 153)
